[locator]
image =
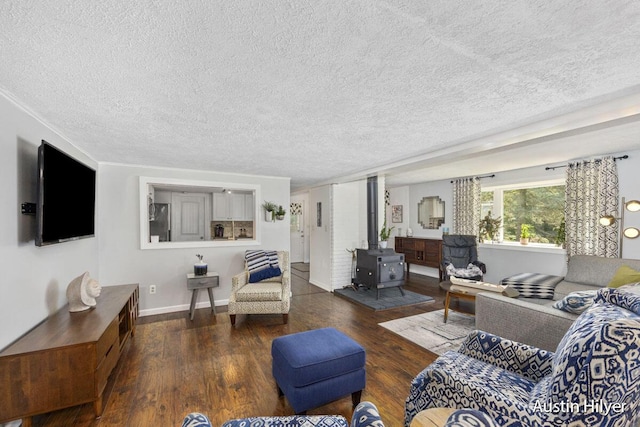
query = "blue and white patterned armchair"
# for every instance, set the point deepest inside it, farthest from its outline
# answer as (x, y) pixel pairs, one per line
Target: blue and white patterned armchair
(364, 415)
(593, 378)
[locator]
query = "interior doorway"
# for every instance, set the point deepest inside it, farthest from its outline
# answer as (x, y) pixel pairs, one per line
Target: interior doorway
(300, 233)
(297, 231)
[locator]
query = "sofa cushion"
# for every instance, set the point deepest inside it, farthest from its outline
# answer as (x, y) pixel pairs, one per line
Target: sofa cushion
(564, 288)
(576, 302)
(533, 285)
(263, 291)
(624, 275)
(595, 270)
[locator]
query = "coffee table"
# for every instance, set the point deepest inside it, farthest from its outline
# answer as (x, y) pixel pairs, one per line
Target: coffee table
(457, 291)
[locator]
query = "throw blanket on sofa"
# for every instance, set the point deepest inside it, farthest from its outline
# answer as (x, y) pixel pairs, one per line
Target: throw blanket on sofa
(262, 265)
(533, 285)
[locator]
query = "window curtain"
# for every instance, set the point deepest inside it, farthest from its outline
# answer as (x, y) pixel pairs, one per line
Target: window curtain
(466, 206)
(591, 192)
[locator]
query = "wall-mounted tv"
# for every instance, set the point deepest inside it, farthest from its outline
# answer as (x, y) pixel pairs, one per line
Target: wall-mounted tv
(65, 208)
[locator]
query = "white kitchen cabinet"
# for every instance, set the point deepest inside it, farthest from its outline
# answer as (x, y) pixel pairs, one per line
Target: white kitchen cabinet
(234, 206)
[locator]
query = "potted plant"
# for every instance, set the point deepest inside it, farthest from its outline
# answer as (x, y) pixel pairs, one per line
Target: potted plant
(560, 236)
(269, 210)
(489, 227)
(525, 234)
(280, 213)
(385, 233)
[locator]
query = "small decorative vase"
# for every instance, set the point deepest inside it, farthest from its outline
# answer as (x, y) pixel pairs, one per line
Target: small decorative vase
(268, 216)
(279, 217)
(382, 244)
(200, 269)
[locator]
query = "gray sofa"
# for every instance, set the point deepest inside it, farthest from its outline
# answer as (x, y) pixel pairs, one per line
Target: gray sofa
(536, 321)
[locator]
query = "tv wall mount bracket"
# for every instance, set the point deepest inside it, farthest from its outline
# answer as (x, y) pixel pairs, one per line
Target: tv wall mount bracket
(28, 209)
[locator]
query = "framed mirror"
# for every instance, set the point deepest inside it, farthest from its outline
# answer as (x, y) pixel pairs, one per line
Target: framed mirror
(192, 214)
(431, 212)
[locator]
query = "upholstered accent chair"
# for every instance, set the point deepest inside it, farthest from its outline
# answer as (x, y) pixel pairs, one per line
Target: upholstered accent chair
(364, 415)
(269, 296)
(460, 252)
(592, 379)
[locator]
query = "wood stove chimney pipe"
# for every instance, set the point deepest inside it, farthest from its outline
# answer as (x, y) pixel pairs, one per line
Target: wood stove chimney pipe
(372, 212)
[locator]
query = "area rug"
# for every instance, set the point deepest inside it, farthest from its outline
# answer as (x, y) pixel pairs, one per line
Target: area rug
(428, 330)
(389, 297)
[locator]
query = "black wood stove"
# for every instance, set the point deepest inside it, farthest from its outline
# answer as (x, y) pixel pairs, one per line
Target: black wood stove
(379, 268)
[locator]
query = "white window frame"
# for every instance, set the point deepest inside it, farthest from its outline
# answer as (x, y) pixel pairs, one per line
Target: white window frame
(498, 211)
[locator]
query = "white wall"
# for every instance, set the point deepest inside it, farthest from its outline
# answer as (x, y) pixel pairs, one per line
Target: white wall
(122, 260)
(348, 216)
(629, 180)
(320, 251)
(34, 279)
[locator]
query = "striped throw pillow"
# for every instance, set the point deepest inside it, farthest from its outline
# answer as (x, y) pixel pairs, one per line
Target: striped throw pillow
(262, 265)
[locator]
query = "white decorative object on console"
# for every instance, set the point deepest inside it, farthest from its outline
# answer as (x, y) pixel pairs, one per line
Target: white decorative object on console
(82, 293)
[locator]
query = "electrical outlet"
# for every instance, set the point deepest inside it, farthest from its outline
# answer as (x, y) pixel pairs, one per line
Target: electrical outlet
(152, 289)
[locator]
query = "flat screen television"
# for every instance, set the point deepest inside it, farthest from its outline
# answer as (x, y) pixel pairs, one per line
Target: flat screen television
(65, 208)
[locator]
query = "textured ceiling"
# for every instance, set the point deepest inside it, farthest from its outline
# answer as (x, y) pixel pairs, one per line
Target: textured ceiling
(321, 90)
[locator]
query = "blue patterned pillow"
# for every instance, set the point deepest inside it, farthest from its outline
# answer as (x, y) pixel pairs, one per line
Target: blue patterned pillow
(262, 265)
(576, 302)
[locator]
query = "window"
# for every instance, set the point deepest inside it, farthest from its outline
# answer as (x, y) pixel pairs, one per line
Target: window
(540, 206)
(177, 213)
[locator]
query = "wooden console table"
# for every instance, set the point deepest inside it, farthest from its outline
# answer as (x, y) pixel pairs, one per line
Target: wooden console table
(66, 360)
(420, 251)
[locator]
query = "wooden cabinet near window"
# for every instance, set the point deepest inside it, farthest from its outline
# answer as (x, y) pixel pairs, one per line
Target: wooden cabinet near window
(426, 252)
(66, 360)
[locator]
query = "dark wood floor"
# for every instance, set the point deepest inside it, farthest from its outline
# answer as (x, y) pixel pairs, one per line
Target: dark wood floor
(174, 366)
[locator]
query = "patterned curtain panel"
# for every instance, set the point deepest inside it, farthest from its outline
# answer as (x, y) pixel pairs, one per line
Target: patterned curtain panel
(466, 206)
(591, 192)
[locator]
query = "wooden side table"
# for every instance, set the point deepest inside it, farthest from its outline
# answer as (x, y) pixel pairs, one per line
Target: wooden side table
(205, 281)
(432, 417)
(460, 292)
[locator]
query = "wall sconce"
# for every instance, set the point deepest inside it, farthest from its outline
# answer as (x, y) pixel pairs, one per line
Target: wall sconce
(629, 232)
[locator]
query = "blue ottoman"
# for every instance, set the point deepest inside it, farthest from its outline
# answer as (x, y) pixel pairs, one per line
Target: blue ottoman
(316, 367)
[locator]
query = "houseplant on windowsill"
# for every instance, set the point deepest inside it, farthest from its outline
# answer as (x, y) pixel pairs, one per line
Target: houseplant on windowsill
(525, 234)
(560, 236)
(269, 211)
(489, 228)
(385, 233)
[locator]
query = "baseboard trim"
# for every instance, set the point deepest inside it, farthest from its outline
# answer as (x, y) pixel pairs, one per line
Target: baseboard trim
(181, 307)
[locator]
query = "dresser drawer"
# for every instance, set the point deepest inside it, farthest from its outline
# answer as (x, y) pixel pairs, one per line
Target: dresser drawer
(103, 344)
(106, 365)
(199, 282)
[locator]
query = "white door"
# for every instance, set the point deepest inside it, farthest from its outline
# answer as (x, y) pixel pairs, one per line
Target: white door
(190, 213)
(297, 231)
